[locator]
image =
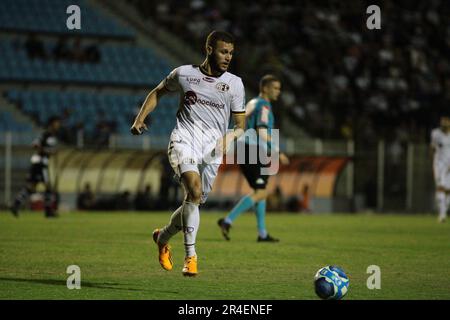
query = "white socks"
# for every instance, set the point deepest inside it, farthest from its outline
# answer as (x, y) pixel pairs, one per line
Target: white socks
(186, 218)
(191, 221)
(175, 225)
(447, 202)
(442, 201)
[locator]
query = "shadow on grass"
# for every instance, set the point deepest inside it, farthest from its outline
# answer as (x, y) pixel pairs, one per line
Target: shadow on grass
(53, 282)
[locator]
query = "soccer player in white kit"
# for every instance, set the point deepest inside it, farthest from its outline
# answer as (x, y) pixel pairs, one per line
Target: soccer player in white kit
(208, 96)
(440, 146)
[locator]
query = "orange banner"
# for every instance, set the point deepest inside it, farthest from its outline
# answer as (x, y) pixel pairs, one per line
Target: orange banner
(319, 173)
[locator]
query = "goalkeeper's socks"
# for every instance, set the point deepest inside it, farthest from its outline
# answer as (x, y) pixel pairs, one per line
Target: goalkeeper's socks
(48, 198)
(260, 211)
(243, 205)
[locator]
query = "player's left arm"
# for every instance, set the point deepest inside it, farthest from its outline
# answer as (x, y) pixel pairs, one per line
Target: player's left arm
(238, 112)
(239, 129)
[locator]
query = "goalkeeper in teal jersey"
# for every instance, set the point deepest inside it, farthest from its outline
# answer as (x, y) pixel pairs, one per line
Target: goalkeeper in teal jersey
(260, 118)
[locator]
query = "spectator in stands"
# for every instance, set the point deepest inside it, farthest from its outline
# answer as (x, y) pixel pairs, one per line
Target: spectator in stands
(76, 51)
(346, 129)
(275, 200)
(330, 58)
(123, 201)
(144, 199)
(35, 47)
(92, 54)
(66, 133)
(304, 203)
(169, 187)
(86, 199)
(103, 131)
(61, 51)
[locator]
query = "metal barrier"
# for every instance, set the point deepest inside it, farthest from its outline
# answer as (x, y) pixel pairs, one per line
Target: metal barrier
(379, 176)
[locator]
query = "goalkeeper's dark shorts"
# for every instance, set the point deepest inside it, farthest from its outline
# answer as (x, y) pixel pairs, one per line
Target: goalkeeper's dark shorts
(38, 173)
(253, 171)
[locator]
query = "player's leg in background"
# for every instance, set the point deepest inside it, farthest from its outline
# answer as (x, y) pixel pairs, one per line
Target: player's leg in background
(260, 212)
(443, 217)
(440, 193)
(447, 193)
(22, 196)
(260, 197)
(447, 202)
(48, 194)
(244, 204)
(442, 203)
(256, 200)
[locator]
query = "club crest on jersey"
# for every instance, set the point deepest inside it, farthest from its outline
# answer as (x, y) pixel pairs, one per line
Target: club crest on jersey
(222, 87)
(190, 98)
(192, 80)
(208, 79)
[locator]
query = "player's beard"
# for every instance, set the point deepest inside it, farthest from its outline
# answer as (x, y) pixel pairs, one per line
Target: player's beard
(215, 68)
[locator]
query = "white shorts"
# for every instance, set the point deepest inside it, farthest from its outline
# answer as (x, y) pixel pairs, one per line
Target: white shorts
(187, 154)
(441, 172)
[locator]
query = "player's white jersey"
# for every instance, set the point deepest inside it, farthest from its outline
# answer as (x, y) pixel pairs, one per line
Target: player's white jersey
(206, 102)
(441, 143)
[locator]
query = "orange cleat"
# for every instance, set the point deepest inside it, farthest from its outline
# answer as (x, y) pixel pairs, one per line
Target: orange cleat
(190, 266)
(165, 255)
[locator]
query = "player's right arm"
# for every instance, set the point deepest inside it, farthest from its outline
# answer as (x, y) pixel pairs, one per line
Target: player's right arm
(262, 124)
(37, 144)
(148, 106)
(169, 84)
(265, 136)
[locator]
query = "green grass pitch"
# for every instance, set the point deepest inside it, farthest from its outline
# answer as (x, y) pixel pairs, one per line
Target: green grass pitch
(118, 259)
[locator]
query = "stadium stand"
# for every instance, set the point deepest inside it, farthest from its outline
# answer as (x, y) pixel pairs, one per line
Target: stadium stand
(341, 80)
(87, 109)
(44, 16)
(37, 49)
(9, 123)
(118, 65)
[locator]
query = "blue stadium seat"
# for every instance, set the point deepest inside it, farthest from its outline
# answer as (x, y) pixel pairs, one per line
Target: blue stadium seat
(50, 16)
(126, 65)
(9, 123)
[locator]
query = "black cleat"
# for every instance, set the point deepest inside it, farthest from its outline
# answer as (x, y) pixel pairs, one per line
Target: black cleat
(268, 238)
(225, 228)
(51, 214)
(14, 211)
